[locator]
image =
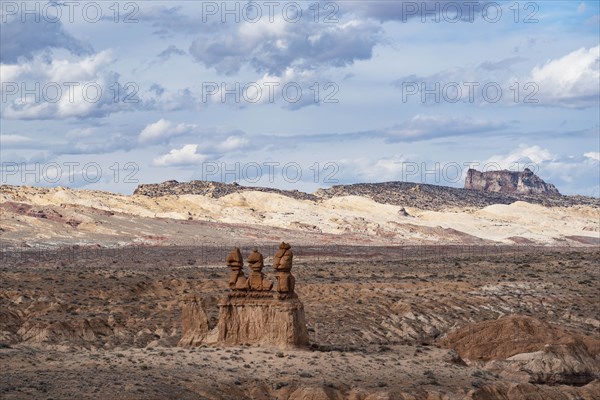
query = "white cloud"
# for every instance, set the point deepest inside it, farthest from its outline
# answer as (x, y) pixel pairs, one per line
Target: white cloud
(63, 88)
(7, 139)
(581, 8)
(570, 81)
(522, 157)
(421, 127)
(232, 143)
(164, 129)
(272, 47)
(180, 157)
(373, 170)
(593, 155)
(294, 88)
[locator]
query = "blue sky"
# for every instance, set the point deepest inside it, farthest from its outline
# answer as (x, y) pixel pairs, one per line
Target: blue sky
(97, 98)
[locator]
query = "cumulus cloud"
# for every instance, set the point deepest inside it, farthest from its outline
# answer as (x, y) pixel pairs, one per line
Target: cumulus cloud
(592, 155)
(293, 89)
(211, 143)
(522, 157)
(186, 155)
(214, 140)
(232, 143)
(23, 39)
(162, 130)
(570, 81)
(274, 47)
(64, 88)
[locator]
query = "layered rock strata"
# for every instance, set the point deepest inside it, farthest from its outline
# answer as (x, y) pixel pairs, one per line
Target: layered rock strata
(251, 313)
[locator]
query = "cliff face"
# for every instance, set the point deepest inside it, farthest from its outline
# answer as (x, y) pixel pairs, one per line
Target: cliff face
(525, 182)
(195, 322)
(263, 321)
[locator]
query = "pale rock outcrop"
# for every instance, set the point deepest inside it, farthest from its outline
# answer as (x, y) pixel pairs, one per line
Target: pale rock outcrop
(525, 182)
(528, 391)
(545, 353)
(80, 332)
(555, 364)
(315, 393)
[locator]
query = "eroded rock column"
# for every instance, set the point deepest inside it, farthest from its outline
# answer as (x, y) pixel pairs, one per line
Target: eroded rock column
(257, 315)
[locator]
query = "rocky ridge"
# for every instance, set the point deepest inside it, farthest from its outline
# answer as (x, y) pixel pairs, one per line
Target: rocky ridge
(406, 194)
(210, 189)
(53, 217)
(509, 182)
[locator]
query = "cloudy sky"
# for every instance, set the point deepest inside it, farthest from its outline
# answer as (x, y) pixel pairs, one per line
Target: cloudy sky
(298, 95)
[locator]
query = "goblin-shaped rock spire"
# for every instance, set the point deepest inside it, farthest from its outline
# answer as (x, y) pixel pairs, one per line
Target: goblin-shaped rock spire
(282, 264)
(257, 280)
(237, 279)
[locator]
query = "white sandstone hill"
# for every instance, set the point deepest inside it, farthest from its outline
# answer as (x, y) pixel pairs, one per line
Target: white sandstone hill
(58, 216)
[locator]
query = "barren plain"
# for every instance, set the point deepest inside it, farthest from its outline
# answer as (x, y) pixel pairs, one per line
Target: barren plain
(491, 302)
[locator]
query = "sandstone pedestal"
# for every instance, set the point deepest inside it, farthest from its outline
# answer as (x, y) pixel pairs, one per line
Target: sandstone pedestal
(262, 319)
(194, 322)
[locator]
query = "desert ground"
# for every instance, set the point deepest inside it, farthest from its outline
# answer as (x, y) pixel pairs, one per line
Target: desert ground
(427, 293)
(396, 322)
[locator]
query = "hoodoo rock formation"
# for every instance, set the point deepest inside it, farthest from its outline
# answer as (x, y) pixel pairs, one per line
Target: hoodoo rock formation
(237, 279)
(251, 313)
(525, 182)
(194, 322)
(282, 264)
(257, 280)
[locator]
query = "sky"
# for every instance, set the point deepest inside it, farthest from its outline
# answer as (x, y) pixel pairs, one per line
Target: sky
(107, 95)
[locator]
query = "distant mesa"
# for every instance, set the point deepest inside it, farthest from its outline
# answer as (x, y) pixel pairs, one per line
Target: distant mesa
(525, 182)
(481, 189)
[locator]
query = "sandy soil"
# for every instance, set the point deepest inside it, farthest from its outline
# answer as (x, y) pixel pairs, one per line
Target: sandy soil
(105, 325)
